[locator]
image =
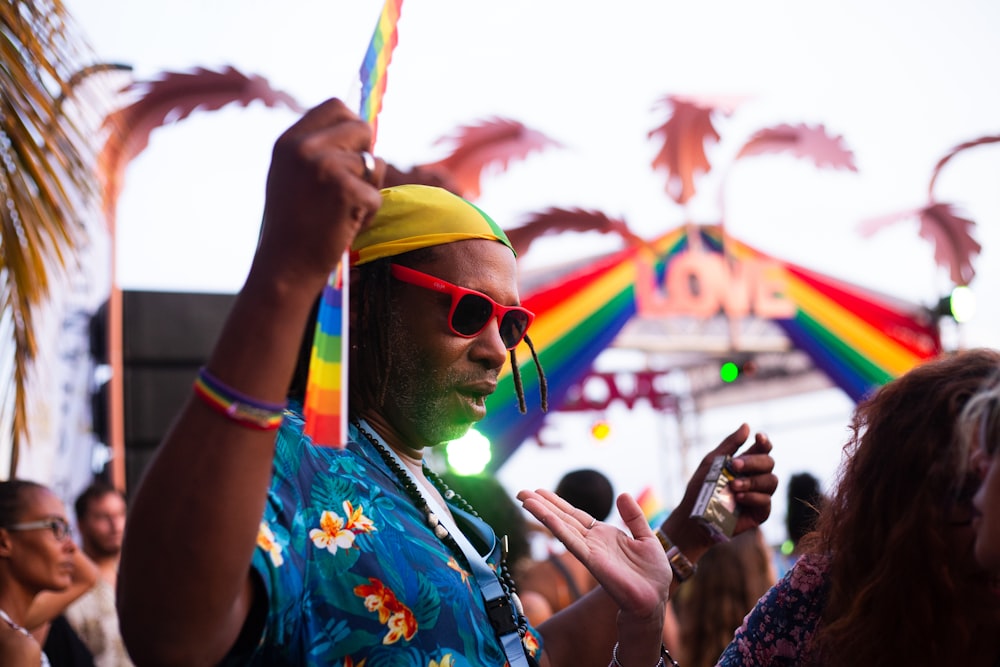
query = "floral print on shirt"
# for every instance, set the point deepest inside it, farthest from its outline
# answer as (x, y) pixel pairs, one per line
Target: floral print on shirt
(779, 629)
(352, 573)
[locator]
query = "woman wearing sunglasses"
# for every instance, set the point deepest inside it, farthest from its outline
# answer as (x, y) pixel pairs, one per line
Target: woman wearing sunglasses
(41, 569)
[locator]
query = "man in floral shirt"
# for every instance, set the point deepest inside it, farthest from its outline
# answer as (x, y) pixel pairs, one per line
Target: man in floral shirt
(244, 546)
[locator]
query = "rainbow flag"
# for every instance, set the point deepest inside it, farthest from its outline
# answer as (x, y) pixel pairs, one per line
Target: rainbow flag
(859, 338)
(375, 68)
(651, 506)
(325, 408)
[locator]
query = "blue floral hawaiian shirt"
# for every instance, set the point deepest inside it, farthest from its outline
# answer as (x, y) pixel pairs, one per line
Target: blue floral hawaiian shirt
(352, 573)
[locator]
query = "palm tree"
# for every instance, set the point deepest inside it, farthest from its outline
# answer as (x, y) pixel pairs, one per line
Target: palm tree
(47, 187)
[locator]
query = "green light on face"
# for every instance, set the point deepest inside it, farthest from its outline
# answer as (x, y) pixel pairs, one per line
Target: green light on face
(470, 454)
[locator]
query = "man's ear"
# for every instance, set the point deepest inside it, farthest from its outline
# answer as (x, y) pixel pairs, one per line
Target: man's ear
(6, 544)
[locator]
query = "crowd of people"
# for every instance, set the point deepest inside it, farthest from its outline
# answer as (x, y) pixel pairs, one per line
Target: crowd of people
(248, 544)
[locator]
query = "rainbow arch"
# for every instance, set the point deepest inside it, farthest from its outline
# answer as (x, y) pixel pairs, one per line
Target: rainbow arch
(859, 338)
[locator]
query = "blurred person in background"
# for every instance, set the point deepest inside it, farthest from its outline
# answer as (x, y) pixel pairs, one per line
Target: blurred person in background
(804, 501)
(100, 517)
(730, 579)
(41, 570)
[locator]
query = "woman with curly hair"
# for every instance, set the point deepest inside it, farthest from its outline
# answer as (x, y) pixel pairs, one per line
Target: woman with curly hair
(888, 577)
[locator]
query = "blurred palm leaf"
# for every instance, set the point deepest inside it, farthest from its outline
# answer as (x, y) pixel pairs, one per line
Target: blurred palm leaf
(949, 233)
(489, 144)
(686, 134)
(955, 247)
(802, 141)
(560, 220)
(46, 183)
(951, 236)
(964, 146)
(171, 97)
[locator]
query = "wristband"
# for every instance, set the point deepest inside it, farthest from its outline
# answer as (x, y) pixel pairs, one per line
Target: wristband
(683, 568)
(237, 407)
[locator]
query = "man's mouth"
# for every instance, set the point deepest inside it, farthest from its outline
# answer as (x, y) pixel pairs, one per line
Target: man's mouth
(479, 390)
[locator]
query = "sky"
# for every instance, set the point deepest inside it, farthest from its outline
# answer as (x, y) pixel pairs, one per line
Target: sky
(901, 82)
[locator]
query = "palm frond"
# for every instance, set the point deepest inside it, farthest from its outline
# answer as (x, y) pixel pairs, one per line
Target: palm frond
(491, 144)
(557, 220)
(802, 141)
(964, 146)
(46, 180)
(171, 97)
(949, 233)
(951, 236)
(685, 135)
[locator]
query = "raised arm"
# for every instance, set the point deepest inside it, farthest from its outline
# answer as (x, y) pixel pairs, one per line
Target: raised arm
(184, 587)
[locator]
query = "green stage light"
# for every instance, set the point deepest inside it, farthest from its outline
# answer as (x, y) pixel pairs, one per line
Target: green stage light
(729, 371)
(959, 305)
(963, 304)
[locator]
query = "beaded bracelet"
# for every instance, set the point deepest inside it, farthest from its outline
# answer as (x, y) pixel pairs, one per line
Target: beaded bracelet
(238, 407)
(665, 658)
(683, 568)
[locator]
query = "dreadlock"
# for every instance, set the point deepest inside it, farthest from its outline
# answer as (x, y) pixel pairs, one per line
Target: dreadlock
(543, 385)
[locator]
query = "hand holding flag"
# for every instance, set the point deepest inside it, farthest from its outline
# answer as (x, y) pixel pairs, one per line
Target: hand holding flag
(325, 408)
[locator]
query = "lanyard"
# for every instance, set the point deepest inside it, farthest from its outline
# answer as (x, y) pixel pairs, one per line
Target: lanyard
(498, 603)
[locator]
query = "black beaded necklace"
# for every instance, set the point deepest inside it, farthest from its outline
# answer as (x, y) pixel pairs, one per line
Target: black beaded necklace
(440, 530)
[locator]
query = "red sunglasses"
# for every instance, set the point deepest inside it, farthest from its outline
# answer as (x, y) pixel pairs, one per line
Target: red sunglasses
(470, 310)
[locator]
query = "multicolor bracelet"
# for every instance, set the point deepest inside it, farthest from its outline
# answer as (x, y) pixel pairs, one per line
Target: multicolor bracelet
(238, 407)
(683, 568)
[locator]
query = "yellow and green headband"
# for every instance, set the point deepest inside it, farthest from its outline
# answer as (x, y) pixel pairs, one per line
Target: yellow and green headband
(419, 216)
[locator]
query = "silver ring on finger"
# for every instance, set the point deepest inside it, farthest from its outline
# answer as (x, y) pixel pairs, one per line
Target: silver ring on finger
(593, 522)
(367, 165)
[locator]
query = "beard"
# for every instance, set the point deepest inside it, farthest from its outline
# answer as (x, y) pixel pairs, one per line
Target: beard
(426, 397)
(108, 548)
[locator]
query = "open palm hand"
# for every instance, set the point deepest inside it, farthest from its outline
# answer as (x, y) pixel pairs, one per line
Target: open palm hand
(632, 569)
